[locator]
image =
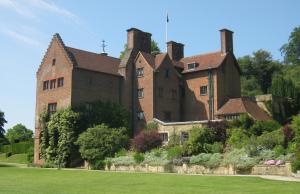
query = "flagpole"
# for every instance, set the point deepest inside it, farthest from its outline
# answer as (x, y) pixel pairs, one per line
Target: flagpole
(167, 31)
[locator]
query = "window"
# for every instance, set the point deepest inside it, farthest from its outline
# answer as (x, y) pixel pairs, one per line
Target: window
(46, 85)
(52, 108)
(232, 117)
(174, 94)
(53, 62)
(52, 83)
(167, 115)
(167, 73)
(160, 92)
(140, 72)
(140, 115)
(60, 82)
(164, 137)
(203, 90)
(192, 66)
(184, 136)
(140, 93)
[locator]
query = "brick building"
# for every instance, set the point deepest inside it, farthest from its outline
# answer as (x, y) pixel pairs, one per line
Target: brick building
(166, 86)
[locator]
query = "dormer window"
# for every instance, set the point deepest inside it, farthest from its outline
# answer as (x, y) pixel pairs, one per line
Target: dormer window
(193, 65)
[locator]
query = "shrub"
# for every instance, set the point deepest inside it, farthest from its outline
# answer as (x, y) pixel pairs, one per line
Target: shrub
(263, 126)
(151, 126)
(266, 155)
(156, 158)
(30, 155)
(219, 129)
(146, 141)
(198, 138)
(121, 152)
(288, 134)
(17, 148)
(174, 152)
(216, 147)
(238, 139)
(207, 160)
(138, 158)
(268, 140)
(174, 140)
(240, 160)
(244, 122)
(122, 160)
(100, 142)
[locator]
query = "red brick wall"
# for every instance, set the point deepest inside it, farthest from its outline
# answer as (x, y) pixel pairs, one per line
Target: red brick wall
(90, 86)
(228, 81)
(146, 103)
(61, 95)
(167, 102)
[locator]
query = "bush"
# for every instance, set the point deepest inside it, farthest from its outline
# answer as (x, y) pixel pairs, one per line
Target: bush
(238, 139)
(121, 152)
(30, 155)
(268, 140)
(138, 158)
(174, 140)
(260, 127)
(207, 160)
(17, 148)
(244, 122)
(146, 141)
(156, 158)
(100, 142)
(174, 152)
(151, 126)
(266, 155)
(216, 147)
(122, 160)
(240, 160)
(197, 140)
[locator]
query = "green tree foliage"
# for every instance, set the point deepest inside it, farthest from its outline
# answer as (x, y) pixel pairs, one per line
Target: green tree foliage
(19, 133)
(296, 128)
(95, 113)
(101, 141)
(2, 122)
(3, 140)
(62, 130)
(198, 139)
(154, 49)
(263, 126)
(291, 50)
(257, 72)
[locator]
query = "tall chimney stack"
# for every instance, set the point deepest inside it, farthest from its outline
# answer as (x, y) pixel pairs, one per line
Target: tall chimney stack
(137, 39)
(226, 41)
(175, 50)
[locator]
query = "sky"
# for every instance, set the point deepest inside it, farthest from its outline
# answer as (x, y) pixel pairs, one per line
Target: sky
(27, 27)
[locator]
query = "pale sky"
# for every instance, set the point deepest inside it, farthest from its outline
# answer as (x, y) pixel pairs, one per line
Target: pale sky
(27, 27)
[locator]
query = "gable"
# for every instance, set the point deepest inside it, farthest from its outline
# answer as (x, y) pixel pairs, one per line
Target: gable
(163, 62)
(56, 51)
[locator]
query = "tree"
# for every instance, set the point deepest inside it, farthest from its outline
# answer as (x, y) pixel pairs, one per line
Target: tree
(154, 49)
(258, 71)
(291, 50)
(99, 142)
(2, 122)
(3, 140)
(19, 133)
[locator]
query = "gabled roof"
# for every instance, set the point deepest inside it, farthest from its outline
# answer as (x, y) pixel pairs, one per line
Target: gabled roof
(242, 105)
(205, 61)
(93, 61)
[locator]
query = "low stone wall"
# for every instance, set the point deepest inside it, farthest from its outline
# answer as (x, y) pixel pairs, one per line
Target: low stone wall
(281, 170)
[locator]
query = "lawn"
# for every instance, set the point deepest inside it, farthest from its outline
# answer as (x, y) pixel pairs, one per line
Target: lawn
(16, 158)
(36, 180)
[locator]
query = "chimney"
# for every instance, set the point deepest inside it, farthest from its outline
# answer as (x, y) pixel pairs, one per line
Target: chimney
(175, 50)
(226, 41)
(137, 39)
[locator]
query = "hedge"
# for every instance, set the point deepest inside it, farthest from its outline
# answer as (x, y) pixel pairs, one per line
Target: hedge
(17, 148)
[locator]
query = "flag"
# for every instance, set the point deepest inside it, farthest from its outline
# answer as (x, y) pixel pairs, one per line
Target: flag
(167, 18)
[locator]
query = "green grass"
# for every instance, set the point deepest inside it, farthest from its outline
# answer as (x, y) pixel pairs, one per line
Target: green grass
(16, 158)
(36, 180)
